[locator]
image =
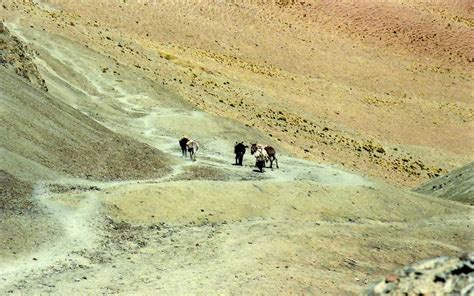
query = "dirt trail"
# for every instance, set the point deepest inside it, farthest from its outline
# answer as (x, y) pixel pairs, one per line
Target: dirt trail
(81, 214)
(161, 126)
(78, 214)
(76, 217)
(210, 226)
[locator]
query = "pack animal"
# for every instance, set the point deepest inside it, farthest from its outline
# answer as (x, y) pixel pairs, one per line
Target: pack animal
(239, 150)
(193, 147)
(261, 156)
(182, 143)
(269, 151)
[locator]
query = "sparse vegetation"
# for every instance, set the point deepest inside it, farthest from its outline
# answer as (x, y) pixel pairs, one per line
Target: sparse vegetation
(361, 106)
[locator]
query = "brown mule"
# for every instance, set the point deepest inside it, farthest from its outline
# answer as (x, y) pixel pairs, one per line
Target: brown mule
(271, 152)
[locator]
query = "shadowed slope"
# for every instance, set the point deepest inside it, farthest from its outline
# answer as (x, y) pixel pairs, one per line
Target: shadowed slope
(47, 132)
(457, 185)
(42, 136)
(14, 193)
(42, 139)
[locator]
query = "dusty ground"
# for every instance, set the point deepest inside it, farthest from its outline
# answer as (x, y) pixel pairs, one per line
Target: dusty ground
(309, 72)
(42, 133)
(132, 217)
(303, 229)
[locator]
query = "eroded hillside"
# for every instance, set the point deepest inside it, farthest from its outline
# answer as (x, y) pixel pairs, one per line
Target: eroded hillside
(336, 82)
(40, 133)
(96, 199)
(15, 55)
(457, 185)
(43, 139)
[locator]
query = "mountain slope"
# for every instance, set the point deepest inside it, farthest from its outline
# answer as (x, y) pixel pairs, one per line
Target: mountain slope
(93, 216)
(43, 139)
(458, 185)
(329, 81)
(41, 129)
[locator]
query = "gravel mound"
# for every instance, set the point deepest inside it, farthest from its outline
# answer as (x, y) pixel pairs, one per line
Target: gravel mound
(14, 193)
(15, 54)
(439, 276)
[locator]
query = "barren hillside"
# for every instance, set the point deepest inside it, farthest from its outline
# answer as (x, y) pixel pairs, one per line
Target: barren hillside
(361, 99)
(457, 185)
(332, 81)
(40, 133)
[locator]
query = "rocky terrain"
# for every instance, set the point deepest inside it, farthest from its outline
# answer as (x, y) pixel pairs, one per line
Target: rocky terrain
(14, 54)
(40, 133)
(292, 70)
(457, 185)
(328, 58)
(439, 276)
(361, 108)
(14, 192)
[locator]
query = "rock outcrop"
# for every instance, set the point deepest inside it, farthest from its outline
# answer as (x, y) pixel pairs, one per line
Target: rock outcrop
(439, 276)
(14, 193)
(16, 55)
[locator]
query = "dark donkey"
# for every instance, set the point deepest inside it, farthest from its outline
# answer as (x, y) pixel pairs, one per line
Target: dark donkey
(182, 143)
(270, 151)
(239, 150)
